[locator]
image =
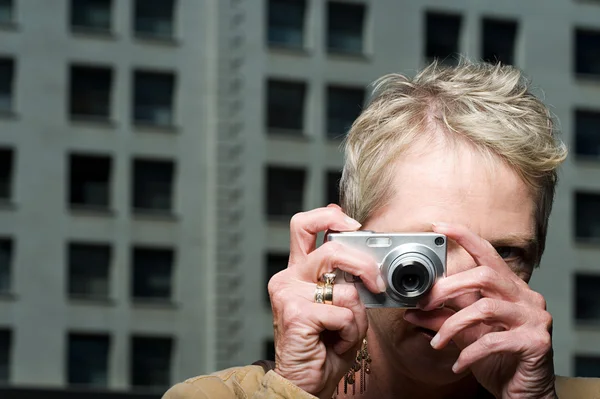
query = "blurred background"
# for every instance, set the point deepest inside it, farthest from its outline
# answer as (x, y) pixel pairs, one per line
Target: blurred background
(153, 151)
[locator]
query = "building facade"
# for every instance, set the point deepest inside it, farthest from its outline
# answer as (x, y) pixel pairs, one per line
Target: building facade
(152, 153)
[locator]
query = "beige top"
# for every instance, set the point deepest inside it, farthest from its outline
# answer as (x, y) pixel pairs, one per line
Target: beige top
(251, 382)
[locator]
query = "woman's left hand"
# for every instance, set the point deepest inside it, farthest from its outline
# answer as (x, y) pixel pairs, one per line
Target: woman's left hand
(513, 358)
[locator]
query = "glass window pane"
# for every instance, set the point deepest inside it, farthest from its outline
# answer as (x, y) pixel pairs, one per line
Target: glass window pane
(332, 188)
(6, 84)
(90, 92)
(587, 56)
(152, 273)
(442, 37)
(587, 133)
(89, 270)
(345, 26)
(153, 185)
(91, 14)
(285, 191)
(499, 38)
(275, 264)
(88, 359)
(6, 256)
(151, 362)
(587, 300)
(89, 183)
(6, 11)
(286, 22)
(587, 366)
(343, 107)
(154, 18)
(6, 173)
(285, 106)
(5, 352)
(587, 216)
(153, 99)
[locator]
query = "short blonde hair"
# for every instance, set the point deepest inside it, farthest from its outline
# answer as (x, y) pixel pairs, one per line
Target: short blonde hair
(488, 106)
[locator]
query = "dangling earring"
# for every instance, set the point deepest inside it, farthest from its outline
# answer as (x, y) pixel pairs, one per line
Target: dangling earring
(362, 364)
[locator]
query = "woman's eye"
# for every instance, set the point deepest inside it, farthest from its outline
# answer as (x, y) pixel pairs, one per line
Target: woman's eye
(509, 252)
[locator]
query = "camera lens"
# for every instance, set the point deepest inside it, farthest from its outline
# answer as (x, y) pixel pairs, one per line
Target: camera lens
(411, 279)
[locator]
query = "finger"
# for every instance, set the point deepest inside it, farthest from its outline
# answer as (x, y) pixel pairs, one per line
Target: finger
(489, 311)
(332, 256)
(532, 343)
(481, 250)
(305, 226)
(482, 280)
(344, 295)
(334, 318)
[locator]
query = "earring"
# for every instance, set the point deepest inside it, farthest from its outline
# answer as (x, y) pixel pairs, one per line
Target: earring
(362, 364)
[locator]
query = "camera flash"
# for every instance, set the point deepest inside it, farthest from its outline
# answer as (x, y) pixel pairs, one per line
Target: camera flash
(379, 242)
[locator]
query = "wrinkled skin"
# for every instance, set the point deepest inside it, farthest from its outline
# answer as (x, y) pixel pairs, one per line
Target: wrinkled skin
(493, 330)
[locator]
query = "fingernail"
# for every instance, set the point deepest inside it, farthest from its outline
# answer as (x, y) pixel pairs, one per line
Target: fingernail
(352, 222)
(455, 367)
(435, 340)
(381, 284)
(440, 225)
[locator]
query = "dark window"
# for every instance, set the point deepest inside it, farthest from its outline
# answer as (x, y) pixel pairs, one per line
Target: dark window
(151, 362)
(275, 264)
(285, 191)
(587, 216)
(152, 271)
(153, 185)
(153, 99)
(6, 172)
(442, 37)
(91, 14)
(345, 27)
(6, 11)
(154, 18)
(587, 300)
(89, 270)
(343, 107)
(7, 67)
(286, 23)
(90, 92)
(285, 105)
(587, 133)
(89, 181)
(269, 350)
(499, 39)
(88, 359)
(587, 366)
(332, 188)
(6, 256)
(5, 346)
(587, 56)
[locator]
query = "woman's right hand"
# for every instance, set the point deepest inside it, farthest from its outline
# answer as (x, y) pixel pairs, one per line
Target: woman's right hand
(315, 344)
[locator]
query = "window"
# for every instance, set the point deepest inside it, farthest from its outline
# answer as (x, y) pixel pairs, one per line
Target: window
(587, 300)
(90, 92)
(88, 359)
(6, 84)
(89, 270)
(269, 350)
(587, 56)
(92, 15)
(154, 18)
(6, 172)
(498, 44)
(153, 185)
(6, 255)
(151, 362)
(5, 345)
(343, 107)
(6, 12)
(332, 188)
(345, 26)
(285, 191)
(152, 270)
(153, 98)
(587, 133)
(587, 366)
(286, 23)
(587, 216)
(442, 37)
(89, 181)
(285, 106)
(275, 264)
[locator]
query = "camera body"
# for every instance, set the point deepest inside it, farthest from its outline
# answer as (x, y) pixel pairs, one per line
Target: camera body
(410, 263)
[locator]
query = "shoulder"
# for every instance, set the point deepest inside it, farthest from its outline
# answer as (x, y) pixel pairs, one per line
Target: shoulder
(575, 388)
(236, 382)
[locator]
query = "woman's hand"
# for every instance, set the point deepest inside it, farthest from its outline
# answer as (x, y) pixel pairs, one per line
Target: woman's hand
(315, 344)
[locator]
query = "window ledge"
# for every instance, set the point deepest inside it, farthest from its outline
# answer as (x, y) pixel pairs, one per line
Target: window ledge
(154, 214)
(147, 38)
(7, 204)
(93, 121)
(89, 210)
(589, 325)
(290, 134)
(81, 299)
(8, 114)
(154, 303)
(278, 221)
(587, 160)
(293, 50)
(155, 128)
(587, 77)
(343, 55)
(92, 33)
(9, 26)
(7, 296)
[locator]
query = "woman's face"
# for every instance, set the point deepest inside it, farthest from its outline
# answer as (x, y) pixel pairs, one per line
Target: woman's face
(453, 186)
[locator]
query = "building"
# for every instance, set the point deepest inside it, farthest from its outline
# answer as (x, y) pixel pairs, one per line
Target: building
(152, 152)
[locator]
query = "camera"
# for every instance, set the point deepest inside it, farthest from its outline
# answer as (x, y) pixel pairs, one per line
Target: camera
(410, 264)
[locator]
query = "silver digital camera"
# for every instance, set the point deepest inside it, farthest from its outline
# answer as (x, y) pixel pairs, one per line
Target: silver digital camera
(410, 264)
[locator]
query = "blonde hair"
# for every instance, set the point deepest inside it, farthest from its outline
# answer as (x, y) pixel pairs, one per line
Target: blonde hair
(488, 106)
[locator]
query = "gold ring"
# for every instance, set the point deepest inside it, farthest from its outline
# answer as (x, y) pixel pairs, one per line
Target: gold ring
(328, 294)
(319, 293)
